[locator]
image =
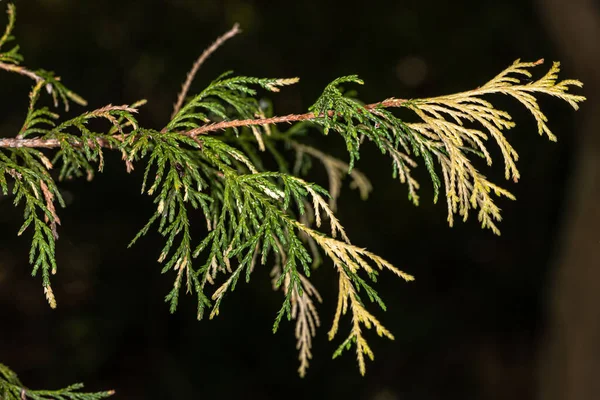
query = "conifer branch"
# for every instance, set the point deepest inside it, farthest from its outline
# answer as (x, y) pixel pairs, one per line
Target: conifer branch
(205, 129)
(304, 311)
(252, 214)
(11, 388)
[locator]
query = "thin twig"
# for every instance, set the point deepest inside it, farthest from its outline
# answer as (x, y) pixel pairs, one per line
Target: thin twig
(21, 70)
(37, 143)
(205, 54)
(277, 120)
(54, 143)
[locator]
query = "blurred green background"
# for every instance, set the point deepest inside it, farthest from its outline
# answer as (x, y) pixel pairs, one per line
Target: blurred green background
(476, 322)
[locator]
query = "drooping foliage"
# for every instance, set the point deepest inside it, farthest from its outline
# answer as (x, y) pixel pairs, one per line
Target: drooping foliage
(11, 388)
(209, 157)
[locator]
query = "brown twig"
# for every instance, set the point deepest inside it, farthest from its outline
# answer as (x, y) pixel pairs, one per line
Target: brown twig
(38, 143)
(278, 120)
(54, 143)
(21, 70)
(205, 54)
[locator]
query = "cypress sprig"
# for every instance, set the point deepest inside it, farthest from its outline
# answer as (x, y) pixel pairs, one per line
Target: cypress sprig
(177, 183)
(11, 56)
(234, 93)
(356, 122)
(452, 128)
(455, 127)
(29, 169)
(34, 187)
(209, 157)
(11, 388)
(10, 60)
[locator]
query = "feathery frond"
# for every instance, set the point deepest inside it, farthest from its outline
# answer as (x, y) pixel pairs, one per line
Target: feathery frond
(452, 128)
(35, 188)
(11, 388)
(304, 312)
(252, 214)
(355, 123)
(226, 98)
(349, 260)
(10, 60)
(177, 182)
(11, 56)
(456, 126)
(29, 168)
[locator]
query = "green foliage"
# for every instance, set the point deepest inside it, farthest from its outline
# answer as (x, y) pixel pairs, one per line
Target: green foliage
(33, 186)
(11, 56)
(29, 168)
(177, 182)
(355, 123)
(234, 92)
(210, 157)
(11, 388)
(11, 59)
(451, 129)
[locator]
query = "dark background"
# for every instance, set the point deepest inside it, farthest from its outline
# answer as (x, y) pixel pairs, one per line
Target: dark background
(472, 326)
